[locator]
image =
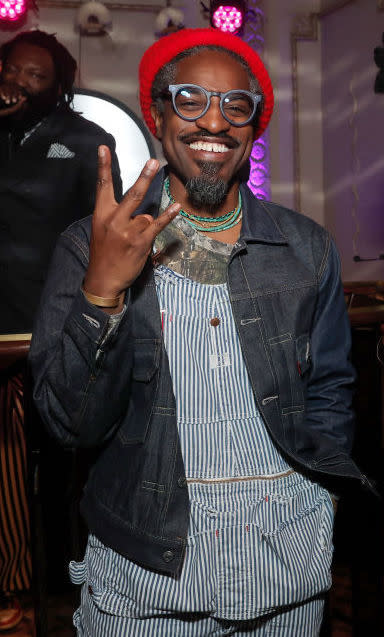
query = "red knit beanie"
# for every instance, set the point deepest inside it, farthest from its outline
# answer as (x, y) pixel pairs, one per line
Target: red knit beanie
(169, 46)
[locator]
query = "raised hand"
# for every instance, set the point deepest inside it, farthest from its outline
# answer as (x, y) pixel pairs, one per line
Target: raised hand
(120, 242)
(12, 99)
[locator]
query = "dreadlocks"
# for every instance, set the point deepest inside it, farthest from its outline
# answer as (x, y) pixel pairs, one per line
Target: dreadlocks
(65, 64)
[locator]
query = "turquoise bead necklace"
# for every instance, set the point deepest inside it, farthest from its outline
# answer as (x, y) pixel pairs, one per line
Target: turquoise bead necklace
(210, 224)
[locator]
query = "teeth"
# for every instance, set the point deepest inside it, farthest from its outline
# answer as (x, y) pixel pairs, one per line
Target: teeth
(215, 148)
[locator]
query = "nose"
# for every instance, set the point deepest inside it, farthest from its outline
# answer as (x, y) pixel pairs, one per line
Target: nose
(17, 76)
(213, 120)
(21, 78)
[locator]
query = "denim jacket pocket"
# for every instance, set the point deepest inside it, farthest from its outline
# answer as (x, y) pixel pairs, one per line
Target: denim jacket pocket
(146, 356)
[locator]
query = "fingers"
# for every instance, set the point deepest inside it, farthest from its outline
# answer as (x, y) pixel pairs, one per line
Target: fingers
(137, 192)
(142, 221)
(105, 196)
(161, 222)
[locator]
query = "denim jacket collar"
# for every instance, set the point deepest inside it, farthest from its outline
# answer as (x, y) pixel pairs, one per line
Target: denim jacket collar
(258, 226)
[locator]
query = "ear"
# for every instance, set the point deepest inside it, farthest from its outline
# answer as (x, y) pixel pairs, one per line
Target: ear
(158, 119)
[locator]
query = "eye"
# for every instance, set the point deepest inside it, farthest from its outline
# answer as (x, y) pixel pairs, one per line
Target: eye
(190, 100)
(237, 110)
(9, 70)
(238, 106)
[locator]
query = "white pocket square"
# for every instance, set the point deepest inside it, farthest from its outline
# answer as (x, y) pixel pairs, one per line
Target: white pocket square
(59, 151)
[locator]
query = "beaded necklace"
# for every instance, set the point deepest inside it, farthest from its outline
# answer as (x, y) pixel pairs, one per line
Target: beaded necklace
(210, 224)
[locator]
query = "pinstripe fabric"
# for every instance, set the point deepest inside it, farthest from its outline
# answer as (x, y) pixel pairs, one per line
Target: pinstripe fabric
(259, 539)
(303, 620)
(221, 432)
(15, 558)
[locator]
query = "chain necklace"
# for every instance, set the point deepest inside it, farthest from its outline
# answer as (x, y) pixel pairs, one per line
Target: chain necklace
(210, 224)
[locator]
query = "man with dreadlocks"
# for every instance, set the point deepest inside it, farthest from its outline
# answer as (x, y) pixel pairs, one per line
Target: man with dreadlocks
(198, 338)
(45, 148)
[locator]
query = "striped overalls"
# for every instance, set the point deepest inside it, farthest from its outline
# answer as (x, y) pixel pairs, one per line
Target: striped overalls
(260, 537)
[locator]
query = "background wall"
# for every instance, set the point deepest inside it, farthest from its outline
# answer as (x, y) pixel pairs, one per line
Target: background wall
(353, 127)
(280, 21)
(340, 129)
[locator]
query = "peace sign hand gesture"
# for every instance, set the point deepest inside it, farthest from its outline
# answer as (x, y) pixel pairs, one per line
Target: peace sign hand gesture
(120, 242)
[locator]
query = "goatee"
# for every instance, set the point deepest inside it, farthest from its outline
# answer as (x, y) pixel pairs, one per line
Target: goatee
(207, 190)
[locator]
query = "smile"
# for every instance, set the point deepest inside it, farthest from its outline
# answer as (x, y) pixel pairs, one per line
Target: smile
(209, 147)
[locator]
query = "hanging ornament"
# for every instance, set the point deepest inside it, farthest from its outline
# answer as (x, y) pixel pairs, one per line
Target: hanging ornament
(168, 21)
(93, 18)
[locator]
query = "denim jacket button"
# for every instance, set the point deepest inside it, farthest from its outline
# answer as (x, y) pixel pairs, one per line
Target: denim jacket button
(168, 556)
(182, 482)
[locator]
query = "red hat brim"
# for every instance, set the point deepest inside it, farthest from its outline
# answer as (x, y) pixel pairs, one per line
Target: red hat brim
(168, 47)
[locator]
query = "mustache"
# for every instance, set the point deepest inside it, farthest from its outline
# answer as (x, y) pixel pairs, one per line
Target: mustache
(193, 137)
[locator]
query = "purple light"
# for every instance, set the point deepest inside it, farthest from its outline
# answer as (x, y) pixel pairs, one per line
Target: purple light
(258, 150)
(227, 18)
(11, 10)
(259, 173)
(258, 176)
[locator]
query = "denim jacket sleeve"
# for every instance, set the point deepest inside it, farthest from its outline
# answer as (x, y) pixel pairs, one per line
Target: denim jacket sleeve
(332, 376)
(74, 351)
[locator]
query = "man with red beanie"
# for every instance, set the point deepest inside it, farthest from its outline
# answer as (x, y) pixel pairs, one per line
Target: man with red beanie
(197, 337)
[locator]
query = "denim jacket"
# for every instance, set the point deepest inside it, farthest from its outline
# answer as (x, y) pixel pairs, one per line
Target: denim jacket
(115, 392)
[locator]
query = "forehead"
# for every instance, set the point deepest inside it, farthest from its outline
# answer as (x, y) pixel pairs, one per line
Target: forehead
(214, 70)
(25, 53)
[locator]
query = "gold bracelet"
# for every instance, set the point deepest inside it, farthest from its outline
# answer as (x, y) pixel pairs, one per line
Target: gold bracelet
(101, 301)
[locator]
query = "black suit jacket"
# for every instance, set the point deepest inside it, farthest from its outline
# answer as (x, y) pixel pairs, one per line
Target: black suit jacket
(45, 185)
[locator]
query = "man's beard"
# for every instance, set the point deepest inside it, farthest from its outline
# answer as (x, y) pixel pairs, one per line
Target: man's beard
(207, 190)
(37, 107)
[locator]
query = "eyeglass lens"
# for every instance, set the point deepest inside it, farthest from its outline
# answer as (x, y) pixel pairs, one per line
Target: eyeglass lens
(190, 102)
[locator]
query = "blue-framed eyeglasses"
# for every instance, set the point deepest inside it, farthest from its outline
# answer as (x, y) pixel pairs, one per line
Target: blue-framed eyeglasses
(191, 102)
